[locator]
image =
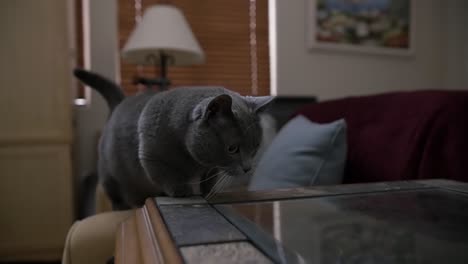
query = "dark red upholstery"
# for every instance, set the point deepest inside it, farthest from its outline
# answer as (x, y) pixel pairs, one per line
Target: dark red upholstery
(402, 135)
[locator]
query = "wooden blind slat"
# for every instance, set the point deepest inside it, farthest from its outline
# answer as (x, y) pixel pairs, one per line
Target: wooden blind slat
(222, 29)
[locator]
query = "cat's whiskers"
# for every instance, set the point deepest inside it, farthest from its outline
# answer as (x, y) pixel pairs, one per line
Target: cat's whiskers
(250, 126)
(219, 186)
(215, 188)
(225, 183)
(204, 180)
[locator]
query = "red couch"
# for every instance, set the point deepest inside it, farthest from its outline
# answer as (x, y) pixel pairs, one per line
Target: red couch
(401, 135)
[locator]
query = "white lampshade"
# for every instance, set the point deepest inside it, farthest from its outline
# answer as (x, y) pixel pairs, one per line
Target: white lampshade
(163, 28)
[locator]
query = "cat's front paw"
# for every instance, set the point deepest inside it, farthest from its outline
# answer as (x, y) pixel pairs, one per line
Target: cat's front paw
(178, 191)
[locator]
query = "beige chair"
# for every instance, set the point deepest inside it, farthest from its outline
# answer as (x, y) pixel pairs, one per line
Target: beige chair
(92, 240)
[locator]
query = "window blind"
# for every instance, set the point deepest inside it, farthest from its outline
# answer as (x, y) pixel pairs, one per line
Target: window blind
(233, 35)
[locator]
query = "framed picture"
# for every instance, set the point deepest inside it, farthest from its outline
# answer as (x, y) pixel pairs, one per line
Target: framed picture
(375, 26)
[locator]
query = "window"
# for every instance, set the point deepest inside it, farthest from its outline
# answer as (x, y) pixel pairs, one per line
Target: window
(233, 35)
(82, 49)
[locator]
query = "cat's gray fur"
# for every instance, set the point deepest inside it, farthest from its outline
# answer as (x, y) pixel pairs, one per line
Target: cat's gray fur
(156, 143)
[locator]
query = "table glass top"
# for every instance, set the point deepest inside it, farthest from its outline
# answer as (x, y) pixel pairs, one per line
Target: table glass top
(417, 226)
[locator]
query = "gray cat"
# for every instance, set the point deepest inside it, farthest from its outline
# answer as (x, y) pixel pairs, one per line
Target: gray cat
(162, 143)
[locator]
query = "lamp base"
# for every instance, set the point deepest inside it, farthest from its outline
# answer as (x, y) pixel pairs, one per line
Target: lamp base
(161, 83)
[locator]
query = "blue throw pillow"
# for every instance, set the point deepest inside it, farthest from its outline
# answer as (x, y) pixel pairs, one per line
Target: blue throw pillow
(302, 154)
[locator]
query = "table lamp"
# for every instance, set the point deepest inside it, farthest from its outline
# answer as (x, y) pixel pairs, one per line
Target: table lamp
(163, 37)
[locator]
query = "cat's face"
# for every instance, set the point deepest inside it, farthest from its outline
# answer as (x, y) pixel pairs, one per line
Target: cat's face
(227, 134)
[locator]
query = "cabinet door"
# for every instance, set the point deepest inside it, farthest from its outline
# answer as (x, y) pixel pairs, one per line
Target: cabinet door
(35, 129)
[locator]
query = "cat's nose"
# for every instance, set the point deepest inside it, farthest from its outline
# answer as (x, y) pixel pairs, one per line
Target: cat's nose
(246, 168)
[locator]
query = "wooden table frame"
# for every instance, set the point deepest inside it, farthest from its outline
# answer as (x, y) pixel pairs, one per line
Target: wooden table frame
(145, 237)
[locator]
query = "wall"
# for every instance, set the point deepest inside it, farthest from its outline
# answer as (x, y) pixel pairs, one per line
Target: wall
(436, 63)
(104, 60)
(456, 46)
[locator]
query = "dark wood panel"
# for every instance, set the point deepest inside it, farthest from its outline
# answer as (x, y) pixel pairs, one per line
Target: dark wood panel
(163, 239)
(80, 91)
(127, 245)
(150, 246)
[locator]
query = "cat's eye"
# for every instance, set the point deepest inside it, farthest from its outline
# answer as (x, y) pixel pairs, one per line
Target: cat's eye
(233, 149)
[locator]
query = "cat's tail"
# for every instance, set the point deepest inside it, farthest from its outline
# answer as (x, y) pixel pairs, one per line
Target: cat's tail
(107, 88)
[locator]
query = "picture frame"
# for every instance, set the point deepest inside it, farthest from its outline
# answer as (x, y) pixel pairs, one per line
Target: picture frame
(366, 26)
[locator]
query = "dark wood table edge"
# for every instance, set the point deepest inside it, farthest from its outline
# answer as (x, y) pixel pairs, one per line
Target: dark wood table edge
(127, 240)
(147, 234)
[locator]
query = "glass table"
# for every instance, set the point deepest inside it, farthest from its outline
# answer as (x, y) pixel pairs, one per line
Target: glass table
(398, 222)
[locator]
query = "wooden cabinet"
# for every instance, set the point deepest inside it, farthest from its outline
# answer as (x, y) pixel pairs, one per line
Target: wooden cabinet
(35, 129)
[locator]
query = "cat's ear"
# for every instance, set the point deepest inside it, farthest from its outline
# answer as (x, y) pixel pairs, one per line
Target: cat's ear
(221, 104)
(258, 103)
